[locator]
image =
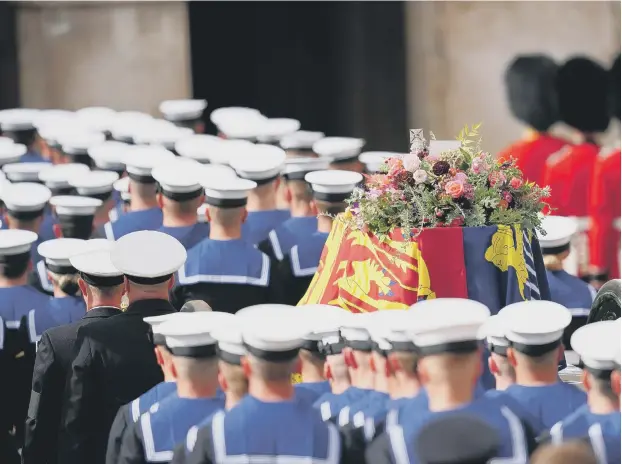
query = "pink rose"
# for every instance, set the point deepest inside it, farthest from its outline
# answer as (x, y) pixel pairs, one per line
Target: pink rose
(479, 165)
(454, 189)
(496, 178)
(461, 177)
(411, 162)
(433, 158)
(516, 183)
(507, 196)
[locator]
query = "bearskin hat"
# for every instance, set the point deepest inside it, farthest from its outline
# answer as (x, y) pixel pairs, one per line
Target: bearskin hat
(530, 83)
(582, 86)
(614, 88)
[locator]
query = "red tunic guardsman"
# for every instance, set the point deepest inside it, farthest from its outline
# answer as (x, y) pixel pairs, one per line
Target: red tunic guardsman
(582, 91)
(604, 234)
(530, 84)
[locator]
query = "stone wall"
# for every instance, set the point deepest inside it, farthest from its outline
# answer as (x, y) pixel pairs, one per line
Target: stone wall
(126, 55)
(458, 51)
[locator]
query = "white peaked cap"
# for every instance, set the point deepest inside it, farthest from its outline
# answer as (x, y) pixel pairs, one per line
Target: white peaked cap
(58, 176)
(141, 160)
(98, 118)
(436, 147)
(323, 320)
(16, 241)
(75, 205)
(58, 251)
(374, 159)
(274, 129)
(227, 150)
(53, 117)
(148, 254)
(392, 326)
(297, 167)
(197, 146)
(123, 187)
(25, 196)
(494, 331)
(227, 189)
(11, 152)
(223, 115)
(281, 329)
(181, 110)
(4, 141)
(598, 344)
(79, 142)
(521, 327)
(17, 119)
(177, 176)
(97, 244)
(263, 311)
(216, 171)
(443, 321)
(24, 172)
(229, 339)
(160, 132)
(356, 328)
(94, 182)
(559, 231)
(333, 181)
(127, 123)
(193, 329)
(301, 140)
(338, 148)
(96, 263)
(259, 163)
(109, 155)
(247, 126)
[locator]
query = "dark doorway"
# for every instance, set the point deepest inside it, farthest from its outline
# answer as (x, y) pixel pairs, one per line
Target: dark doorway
(338, 67)
(9, 66)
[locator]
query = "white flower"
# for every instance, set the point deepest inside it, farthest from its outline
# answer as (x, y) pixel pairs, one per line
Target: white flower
(411, 162)
(420, 176)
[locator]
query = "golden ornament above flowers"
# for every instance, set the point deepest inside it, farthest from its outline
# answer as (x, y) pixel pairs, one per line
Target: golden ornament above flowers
(460, 187)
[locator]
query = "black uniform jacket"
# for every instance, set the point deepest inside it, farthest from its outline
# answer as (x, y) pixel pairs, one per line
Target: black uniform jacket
(52, 363)
(114, 364)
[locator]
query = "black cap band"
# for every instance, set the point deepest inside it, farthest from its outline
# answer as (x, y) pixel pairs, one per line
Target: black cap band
(535, 350)
(204, 351)
(467, 346)
(76, 226)
(311, 345)
(265, 181)
(61, 190)
(11, 265)
(230, 358)
(103, 196)
(101, 281)
(333, 348)
(602, 374)
(360, 345)
(26, 215)
(331, 197)
(345, 160)
(141, 179)
(148, 280)
(226, 202)
(403, 346)
(498, 349)
(381, 351)
(158, 339)
(555, 250)
(59, 269)
(296, 175)
(180, 196)
(273, 356)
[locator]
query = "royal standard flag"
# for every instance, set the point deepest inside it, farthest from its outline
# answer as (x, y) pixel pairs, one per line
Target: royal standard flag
(496, 265)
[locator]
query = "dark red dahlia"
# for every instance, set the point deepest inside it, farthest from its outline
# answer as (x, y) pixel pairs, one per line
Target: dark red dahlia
(440, 168)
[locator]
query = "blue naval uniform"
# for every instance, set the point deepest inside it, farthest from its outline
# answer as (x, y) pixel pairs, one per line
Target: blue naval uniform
(46, 230)
(42, 278)
(130, 413)
(570, 291)
(603, 430)
(281, 239)
(58, 311)
(286, 431)
(548, 403)
(319, 388)
(33, 157)
(228, 275)
(259, 223)
(154, 437)
(298, 269)
(330, 404)
(132, 221)
(188, 236)
(116, 212)
(403, 425)
(373, 405)
(16, 303)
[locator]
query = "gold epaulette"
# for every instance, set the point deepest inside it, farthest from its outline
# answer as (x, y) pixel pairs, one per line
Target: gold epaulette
(559, 155)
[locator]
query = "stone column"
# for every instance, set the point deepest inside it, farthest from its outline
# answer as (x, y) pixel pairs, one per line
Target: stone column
(124, 55)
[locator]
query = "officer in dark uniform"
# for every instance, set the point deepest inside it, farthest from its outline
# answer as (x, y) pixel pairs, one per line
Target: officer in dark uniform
(299, 197)
(75, 220)
(180, 194)
(598, 346)
(195, 368)
(330, 190)
(146, 213)
(185, 113)
(445, 332)
(284, 427)
(261, 164)
(102, 287)
(148, 260)
(225, 270)
(17, 298)
(17, 124)
(534, 330)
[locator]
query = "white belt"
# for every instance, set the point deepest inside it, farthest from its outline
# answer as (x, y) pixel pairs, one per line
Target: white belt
(616, 224)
